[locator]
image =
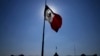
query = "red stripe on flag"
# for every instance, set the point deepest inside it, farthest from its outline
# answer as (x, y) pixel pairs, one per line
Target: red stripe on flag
(56, 22)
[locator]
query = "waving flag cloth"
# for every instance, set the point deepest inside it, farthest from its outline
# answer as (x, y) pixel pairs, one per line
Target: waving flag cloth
(54, 19)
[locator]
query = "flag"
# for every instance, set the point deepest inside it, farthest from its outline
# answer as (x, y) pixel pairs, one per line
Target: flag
(54, 19)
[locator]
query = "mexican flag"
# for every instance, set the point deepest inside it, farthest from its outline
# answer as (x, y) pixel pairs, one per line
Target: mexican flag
(54, 19)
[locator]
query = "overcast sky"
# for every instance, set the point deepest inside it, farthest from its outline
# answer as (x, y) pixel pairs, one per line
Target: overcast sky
(21, 26)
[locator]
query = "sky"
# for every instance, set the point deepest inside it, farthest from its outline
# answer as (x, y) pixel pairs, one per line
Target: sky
(21, 27)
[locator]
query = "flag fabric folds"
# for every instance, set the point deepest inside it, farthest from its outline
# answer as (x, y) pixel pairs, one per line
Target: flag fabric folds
(54, 19)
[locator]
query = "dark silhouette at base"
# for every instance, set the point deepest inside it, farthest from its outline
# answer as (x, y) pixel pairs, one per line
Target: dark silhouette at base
(56, 54)
(83, 55)
(11, 55)
(95, 55)
(21, 55)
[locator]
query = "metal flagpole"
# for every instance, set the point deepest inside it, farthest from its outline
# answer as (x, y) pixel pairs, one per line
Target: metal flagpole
(42, 52)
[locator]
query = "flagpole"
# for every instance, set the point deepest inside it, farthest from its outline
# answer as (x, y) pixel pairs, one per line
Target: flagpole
(42, 52)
